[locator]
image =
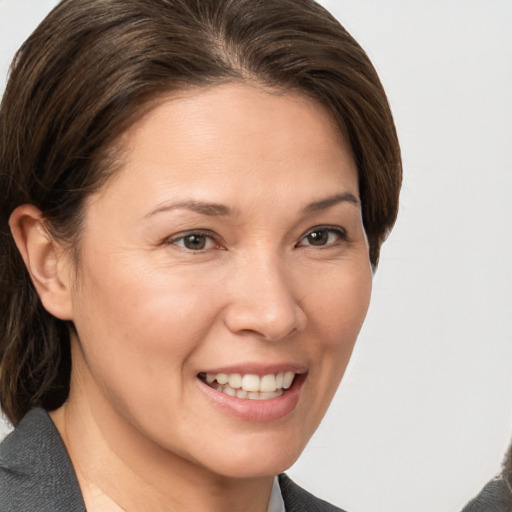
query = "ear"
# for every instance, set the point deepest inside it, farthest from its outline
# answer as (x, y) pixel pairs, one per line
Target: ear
(47, 262)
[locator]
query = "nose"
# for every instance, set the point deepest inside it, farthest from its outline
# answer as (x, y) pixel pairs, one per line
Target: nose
(263, 300)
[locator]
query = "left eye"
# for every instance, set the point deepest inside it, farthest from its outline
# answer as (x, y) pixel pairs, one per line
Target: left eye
(323, 236)
(194, 241)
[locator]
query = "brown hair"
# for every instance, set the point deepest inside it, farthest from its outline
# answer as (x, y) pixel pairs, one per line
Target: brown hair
(84, 76)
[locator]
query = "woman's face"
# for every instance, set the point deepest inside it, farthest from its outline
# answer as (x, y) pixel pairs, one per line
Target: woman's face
(225, 262)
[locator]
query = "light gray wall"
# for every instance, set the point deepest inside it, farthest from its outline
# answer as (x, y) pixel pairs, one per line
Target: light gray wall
(425, 411)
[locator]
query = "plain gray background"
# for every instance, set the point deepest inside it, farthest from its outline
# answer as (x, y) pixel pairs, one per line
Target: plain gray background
(424, 414)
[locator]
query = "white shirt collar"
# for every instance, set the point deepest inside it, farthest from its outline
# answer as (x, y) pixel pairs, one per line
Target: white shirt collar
(276, 503)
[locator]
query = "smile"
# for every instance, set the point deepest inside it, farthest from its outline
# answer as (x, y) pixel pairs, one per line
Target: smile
(250, 386)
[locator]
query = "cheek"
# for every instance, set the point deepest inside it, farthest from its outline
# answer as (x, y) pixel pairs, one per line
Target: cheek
(137, 334)
(337, 312)
(134, 322)
(129, 297)
(339, 306)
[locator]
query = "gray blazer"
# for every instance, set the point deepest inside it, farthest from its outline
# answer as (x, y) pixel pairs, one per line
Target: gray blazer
(496, 496)
(36, 474)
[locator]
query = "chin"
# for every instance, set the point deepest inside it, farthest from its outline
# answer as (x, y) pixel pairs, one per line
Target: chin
(257, 458)
(254, 468)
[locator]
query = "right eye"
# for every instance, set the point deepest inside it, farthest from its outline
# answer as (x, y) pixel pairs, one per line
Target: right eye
(194, 241)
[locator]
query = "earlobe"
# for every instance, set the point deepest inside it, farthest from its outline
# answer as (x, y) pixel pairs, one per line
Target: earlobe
(44, 258)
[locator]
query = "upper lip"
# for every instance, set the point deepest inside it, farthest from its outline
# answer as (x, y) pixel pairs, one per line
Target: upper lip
(258, 369)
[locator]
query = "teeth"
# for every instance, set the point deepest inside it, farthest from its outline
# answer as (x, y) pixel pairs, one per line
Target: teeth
(241, 393)
(250, 386)
(229, 391)
(251, 383)
(288, 379)
(222, 378)
(235, 380)
(268, 383)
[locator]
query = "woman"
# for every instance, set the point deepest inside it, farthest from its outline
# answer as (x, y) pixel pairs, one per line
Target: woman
(196, 195)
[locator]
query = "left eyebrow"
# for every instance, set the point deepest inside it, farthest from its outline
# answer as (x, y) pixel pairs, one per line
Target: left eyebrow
(323, 204)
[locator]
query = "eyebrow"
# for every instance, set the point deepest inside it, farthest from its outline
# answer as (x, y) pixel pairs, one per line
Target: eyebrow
(208, 209)
(220, 210)
(323, 204)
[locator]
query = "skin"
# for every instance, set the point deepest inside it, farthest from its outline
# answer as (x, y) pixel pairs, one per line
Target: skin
(151, 314)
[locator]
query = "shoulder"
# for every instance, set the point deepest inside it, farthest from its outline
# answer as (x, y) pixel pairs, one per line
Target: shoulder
(496, 496)
(297, 499)
(36, 473)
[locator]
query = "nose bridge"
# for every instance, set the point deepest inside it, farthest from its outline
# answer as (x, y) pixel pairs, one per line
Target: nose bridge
(263, 298)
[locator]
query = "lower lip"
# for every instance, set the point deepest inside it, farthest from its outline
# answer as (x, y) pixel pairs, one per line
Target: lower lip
(257, 410)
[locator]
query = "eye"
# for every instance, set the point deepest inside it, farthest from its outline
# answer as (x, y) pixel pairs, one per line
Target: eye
(323, 236)
(194, 241)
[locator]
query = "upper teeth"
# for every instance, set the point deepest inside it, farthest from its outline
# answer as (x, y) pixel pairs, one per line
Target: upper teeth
(253, 383)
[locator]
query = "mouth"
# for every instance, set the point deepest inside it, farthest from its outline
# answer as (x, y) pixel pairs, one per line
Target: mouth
(250, 386)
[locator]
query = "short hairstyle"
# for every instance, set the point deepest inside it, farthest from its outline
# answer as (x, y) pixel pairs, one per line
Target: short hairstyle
(90, 70)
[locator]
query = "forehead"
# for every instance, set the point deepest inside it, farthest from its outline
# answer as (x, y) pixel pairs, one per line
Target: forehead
(235, 135)
(226, 110)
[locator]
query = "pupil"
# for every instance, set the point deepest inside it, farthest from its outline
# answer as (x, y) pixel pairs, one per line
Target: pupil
(318, 237)
(196, 242)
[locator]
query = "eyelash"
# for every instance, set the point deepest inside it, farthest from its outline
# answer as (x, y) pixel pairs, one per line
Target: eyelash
(205, 236)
